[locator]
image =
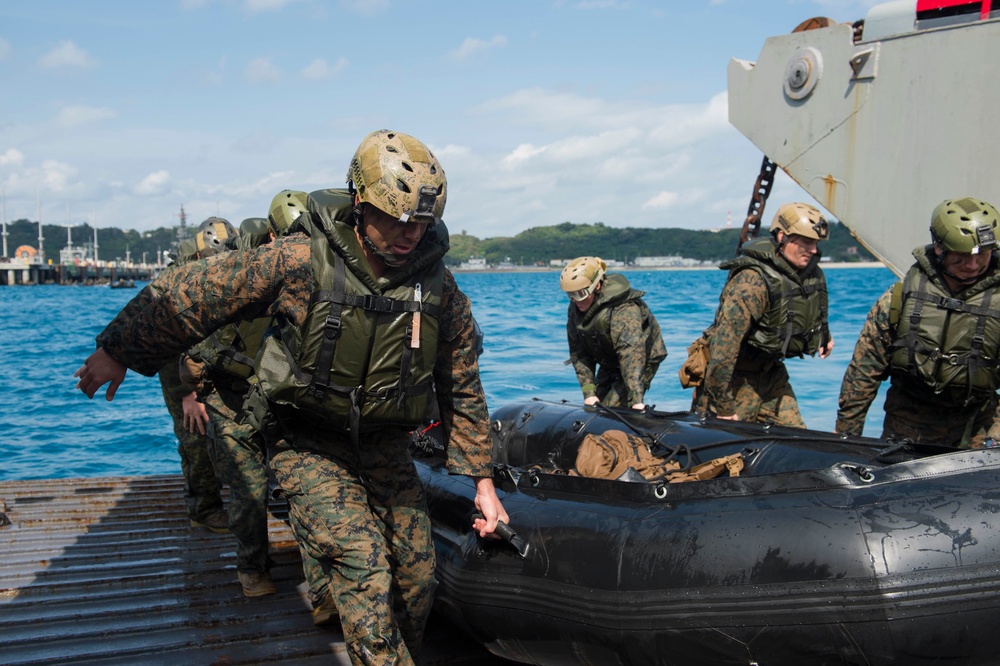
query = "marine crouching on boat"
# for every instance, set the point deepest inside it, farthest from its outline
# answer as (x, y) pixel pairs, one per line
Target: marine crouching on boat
(936, 336)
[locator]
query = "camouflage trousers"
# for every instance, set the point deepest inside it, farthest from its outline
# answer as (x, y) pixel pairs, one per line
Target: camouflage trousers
(201, 485)
(760, 396)
(365, 536)
(240, 458)
(611, 389)
(929, 423)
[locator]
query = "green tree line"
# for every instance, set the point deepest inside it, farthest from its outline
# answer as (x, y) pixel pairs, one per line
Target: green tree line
(535, 246)
(538, 245)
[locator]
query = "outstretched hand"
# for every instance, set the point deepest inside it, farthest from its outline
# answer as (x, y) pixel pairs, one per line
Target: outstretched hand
(99, 369)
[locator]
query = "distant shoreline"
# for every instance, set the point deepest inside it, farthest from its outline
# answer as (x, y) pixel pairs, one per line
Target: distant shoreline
(551, 269)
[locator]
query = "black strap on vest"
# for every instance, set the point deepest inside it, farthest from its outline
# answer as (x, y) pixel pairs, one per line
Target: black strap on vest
(911, 335)
(331, 329)
(975, 360)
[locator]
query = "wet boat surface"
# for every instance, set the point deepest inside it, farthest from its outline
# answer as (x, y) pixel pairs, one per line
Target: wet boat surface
(109, 571)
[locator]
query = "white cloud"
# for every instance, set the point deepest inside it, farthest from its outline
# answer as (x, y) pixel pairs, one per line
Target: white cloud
(686, 124)
(472, 45)
(78, 114)
(321, 69)
(262, 70)
(12, 158)
(522, 153)
(661, 200)
(154, 184)
(67, 54)
(56, 175)
(4, 48)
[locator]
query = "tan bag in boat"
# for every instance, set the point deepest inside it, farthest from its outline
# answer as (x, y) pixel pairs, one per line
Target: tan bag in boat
(610, 455)
(692, 372)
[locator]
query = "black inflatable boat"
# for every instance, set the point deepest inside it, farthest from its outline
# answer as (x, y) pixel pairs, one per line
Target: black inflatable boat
(822, 551)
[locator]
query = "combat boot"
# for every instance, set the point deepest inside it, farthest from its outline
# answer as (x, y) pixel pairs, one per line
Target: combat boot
(217, 522)
(326, 612)
(256, 583)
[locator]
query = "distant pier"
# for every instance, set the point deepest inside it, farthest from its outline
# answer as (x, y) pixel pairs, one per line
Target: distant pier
(16, 271)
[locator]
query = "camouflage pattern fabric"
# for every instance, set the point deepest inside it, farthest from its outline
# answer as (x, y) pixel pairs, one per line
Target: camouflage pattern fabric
(741, 379)
(373, 543)
(201, 485)
(620, 382)
(387, 527)
(911, 411)
(240, 458)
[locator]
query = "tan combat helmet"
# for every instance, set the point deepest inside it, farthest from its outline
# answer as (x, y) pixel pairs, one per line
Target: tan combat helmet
(215, 235)
(799, 219)
(400, 176)
(965, 225)
(286, 206)
(581, 276)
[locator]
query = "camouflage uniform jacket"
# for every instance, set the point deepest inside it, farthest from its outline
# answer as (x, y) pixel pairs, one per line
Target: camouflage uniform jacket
(185, 306)
(635, 346)
(743, 302)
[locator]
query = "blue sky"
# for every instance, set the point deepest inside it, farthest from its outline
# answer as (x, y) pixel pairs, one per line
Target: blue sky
(613, 111)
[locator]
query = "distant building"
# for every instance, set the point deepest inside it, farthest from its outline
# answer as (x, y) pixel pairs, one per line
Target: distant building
(672, 261)
(559, 263)
(473, 264)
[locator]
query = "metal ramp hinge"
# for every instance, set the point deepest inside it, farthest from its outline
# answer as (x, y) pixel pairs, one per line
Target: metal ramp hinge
(864, 63)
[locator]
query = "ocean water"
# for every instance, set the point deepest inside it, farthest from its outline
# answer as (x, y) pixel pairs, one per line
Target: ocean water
(48, 429)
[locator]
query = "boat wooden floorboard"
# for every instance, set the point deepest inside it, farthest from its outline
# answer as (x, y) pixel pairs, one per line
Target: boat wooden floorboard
(109, 571)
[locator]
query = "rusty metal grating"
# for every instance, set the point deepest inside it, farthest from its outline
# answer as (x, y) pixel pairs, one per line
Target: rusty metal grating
(109, 571)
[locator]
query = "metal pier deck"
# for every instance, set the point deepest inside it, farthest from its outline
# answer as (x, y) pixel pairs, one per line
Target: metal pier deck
(108, 571)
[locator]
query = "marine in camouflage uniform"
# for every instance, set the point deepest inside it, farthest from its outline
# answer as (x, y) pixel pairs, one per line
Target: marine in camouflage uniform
(239, 455)
(359, 506)
(610, 326)
(201, 484)
(774, 305)
(936, 395)
(217, 370)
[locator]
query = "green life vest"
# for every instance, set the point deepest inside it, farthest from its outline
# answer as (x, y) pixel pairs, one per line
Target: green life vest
(352, 364)
(593, 326)
(229, 353)
(795, 323)
(949, 343)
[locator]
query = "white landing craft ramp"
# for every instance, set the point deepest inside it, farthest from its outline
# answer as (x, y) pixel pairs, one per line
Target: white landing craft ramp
(881, 130)
(108, 571)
